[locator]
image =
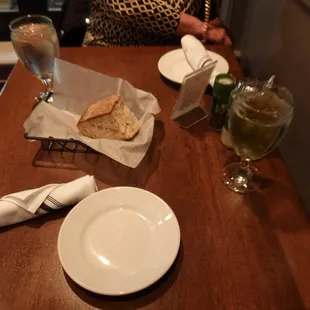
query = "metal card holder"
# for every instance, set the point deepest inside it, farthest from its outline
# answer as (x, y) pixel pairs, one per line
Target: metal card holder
(189, 109)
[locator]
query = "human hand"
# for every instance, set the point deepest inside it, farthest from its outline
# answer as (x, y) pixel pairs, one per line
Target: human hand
(189, 24)
(217, 35)
(216, 22)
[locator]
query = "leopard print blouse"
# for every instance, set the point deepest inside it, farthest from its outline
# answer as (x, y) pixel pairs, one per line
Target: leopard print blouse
(136, 22)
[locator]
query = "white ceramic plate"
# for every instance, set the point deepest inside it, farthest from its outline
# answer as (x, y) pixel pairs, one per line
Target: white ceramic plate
(118, 241)
(174, 66)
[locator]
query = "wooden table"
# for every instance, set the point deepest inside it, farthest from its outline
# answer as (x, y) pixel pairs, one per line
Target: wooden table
(238, 251)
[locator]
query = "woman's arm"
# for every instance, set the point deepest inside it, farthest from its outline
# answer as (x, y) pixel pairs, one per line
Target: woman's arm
(154, 16)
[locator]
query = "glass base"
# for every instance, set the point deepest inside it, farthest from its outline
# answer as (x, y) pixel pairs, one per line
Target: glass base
(240, 178)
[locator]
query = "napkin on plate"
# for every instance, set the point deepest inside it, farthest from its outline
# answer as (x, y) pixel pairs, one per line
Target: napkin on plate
(196, 54)
(22, 206)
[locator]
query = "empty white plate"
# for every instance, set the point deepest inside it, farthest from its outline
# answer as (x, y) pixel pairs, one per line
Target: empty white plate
(118, 241)
(174, 66)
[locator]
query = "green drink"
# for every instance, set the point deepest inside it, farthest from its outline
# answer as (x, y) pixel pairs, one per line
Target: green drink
(258, 123)
(258, 120)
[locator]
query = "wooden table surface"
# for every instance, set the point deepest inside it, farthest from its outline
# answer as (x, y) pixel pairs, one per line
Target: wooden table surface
(237, 252)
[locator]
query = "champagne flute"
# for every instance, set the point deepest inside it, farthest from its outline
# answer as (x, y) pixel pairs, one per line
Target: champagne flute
(36, 44)
(259, 118)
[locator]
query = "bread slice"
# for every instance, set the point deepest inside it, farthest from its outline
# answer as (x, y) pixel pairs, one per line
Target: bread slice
(109, 118)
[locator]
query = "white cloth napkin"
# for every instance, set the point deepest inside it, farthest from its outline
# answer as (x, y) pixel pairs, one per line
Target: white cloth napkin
(196, 54)
(22, 206)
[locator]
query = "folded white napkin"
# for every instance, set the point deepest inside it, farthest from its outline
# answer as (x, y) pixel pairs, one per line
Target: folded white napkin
(22, 206)
(196, 54)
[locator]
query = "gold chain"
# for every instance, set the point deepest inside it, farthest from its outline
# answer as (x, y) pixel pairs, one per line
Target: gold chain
(207, 12)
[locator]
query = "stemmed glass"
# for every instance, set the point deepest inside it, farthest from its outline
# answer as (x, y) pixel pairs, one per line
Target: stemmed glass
(259, 118)
(36, 44)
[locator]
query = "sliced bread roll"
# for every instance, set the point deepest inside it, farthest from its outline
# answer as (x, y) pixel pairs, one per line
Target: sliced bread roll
(109, 118)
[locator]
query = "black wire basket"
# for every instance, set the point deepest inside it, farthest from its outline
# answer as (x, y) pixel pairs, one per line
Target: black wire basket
(62, 145)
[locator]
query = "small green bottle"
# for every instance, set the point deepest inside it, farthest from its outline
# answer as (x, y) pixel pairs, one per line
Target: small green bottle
(223, 85)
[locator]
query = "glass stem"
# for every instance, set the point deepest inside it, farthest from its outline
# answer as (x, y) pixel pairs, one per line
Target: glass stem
(245, 166)
(48, 88)
(245, 163)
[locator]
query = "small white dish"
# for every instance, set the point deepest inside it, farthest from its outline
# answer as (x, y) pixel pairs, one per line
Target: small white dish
(118, 241)
(174, 66)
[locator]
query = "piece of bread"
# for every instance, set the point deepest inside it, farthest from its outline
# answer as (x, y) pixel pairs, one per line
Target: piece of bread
(109, 118)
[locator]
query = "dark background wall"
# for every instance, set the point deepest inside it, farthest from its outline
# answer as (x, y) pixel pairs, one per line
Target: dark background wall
(49, 8)
(272, 37)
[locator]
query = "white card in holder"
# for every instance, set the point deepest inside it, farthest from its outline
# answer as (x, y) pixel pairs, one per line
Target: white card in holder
(188, 109)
